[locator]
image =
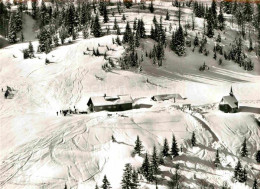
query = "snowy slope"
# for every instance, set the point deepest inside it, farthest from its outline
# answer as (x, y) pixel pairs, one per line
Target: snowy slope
(42, 150)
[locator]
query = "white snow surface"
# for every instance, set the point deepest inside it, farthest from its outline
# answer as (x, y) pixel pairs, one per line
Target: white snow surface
(42, 150)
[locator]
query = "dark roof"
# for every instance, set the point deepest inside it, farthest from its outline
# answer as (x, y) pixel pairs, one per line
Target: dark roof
(230, 100)
(110, 100)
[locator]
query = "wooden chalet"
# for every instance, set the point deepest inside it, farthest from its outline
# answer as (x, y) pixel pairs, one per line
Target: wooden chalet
(110, 103)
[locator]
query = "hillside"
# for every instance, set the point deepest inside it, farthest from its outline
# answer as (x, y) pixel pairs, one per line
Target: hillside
(40, 148)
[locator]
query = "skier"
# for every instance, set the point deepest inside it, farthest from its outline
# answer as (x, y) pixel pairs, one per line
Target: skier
(57, 113)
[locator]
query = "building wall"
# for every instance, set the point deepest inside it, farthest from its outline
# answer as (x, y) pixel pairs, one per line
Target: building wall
(227, 109)
(117, 107)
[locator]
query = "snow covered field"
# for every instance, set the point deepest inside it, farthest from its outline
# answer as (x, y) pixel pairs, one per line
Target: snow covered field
(42, 150)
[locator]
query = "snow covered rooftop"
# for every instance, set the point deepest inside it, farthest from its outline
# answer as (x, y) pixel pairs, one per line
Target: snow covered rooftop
(230, 100)
(110, 100)
(166, 97)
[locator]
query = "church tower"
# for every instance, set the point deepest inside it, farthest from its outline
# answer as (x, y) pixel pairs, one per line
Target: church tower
(231, 92)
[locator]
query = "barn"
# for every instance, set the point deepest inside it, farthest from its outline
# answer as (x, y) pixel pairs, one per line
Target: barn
(229, 104)
(110, 103)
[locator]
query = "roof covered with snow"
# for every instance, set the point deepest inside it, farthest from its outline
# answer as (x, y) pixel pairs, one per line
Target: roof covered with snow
(110, 100)
(166, 97)
(230, 100)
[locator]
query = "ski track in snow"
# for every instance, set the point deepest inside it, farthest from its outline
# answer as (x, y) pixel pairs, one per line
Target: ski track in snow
(68, 140)
(37, 146)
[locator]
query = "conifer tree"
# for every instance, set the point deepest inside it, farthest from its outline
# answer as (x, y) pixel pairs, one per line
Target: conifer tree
(244, 151)
(127, 177)
(71, 21)
(179, 42)
(137, 38)
(115, 25)
(250, 44)
(140, 28)
(118, 41)
(167, 17)
(34, 9)
(45, 40)
(85, 33)
(12, 29)
(127, 33)
(135, 182)
(106, 184)
(244, 176)
(63, 34)
(170, 27)
(135, 24)
(96, 27)
(105, 14)
(118, 32)
(152, 34)
(165, 150)
(255, 184)
(96, 187)
(56, 40)
(83, 14)
(146, 167)
(213, 10)
(238, 171)
(43, 14)
(193, 22)
(22, 37)
(150, 177)
(138, 146)
(155, 161)
(174, 148)
(196, 41)
(155, 20)
(175, 179)
(218, 39)
(151, 8)
(18, 21)
(193, 139)
(161, 159)
(215, 55)
(173, 41)
(248, 11)
(97, 52)
(30, 49)
(217, 161)
(131, 43)
(74, 34)
(179, 14)
(221, 19)
(257, 20)
(123, 17)
(210, 24)
(257, 156)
